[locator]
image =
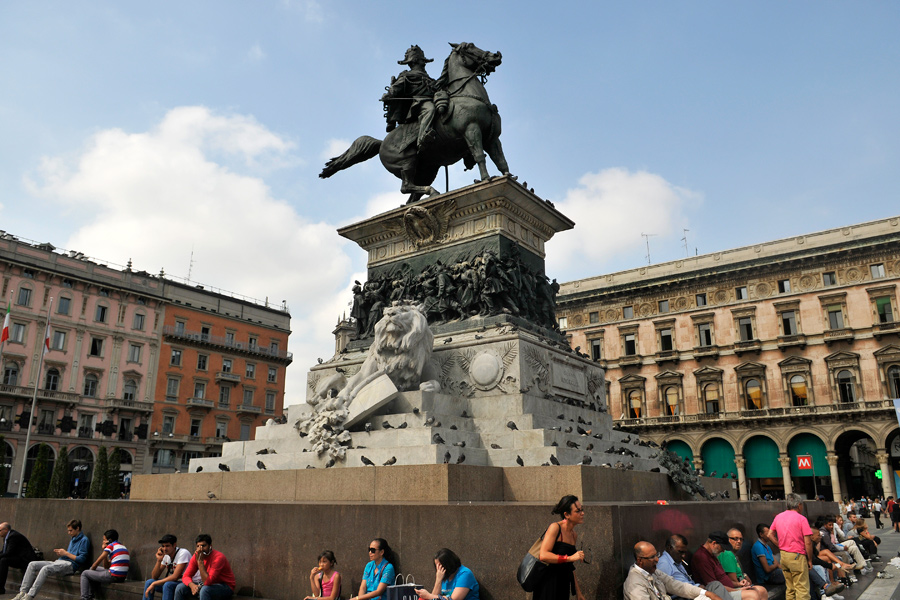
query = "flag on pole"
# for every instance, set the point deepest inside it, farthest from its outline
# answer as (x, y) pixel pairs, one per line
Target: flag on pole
(47, 339)
(5, 335)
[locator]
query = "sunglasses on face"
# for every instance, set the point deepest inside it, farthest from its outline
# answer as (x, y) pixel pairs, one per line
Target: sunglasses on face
(373, 550)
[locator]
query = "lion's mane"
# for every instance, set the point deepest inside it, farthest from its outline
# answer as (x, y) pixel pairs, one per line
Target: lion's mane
(402, 353)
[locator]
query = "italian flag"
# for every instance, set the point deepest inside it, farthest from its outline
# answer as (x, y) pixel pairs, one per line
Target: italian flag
(47, 339)
(5, 335)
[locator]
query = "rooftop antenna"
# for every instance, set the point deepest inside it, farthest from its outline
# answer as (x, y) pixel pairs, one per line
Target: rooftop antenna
(647, 239)
(191, 264)
(684, 239)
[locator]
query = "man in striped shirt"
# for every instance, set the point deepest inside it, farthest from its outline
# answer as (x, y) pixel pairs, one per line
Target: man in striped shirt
(110, 567)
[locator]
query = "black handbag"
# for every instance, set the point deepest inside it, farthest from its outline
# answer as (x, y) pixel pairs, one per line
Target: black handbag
(531, 569)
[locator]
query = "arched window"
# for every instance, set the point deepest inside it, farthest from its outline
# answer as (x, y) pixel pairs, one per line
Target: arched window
(51, 382)
(130, 390)
(671, 395)
(711, 398)
(799, 391)
(634, 404)
(11, 374)
(893, 376)
(845, 386)
(91, 383)
(753, 391)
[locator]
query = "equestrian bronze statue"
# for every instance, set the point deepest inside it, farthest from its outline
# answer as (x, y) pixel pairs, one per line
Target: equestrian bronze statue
(434, 123)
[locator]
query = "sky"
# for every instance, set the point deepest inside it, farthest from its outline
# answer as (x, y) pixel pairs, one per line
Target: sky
(188, 136)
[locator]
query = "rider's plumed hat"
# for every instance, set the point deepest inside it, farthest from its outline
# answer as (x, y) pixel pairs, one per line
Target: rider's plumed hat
(413, 54)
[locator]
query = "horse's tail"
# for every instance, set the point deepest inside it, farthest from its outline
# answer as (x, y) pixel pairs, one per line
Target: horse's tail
(364, 148)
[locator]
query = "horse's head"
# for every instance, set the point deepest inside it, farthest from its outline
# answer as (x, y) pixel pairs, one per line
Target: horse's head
(476, 59)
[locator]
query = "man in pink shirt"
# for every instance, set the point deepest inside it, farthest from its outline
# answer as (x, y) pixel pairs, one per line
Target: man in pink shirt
(791, 533)
(208, 575)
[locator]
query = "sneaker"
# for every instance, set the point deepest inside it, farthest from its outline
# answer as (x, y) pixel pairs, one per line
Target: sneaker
(834, 588)
(852, 578)
(838, 597)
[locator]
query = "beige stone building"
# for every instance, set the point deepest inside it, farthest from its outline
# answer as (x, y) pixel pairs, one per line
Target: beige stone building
(748, 360)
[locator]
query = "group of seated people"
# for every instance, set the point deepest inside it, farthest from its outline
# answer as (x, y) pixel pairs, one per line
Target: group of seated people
(178, 573)
(841, 551)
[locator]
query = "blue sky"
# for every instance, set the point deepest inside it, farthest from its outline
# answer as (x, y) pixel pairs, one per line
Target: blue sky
(153, 130)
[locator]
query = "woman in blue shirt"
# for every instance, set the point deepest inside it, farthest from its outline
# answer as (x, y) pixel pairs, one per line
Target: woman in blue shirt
(379, 573)
(452, 580)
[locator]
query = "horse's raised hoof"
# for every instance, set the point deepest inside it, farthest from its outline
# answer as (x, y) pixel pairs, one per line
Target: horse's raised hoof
(511, 176)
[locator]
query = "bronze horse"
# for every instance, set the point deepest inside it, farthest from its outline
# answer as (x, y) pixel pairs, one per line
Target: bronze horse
(468, 128)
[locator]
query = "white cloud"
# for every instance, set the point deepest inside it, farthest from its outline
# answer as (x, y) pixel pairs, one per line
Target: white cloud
(155, 196)
(255, 53)
(611, 210)
(384, 202)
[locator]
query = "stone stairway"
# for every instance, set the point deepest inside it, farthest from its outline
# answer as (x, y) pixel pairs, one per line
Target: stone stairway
(424, 428)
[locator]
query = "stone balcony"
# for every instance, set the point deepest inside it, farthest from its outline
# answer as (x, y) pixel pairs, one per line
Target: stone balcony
(199, 403)
(882, 329)
(666, 356)
(838, 335)
(747, 346)
(711, 351)
(791, 341)
(246, 408)
(631, 360)
(204, 339)
(227, 376)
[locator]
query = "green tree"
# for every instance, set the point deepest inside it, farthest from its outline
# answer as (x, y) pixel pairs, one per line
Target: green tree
(40, 474)
(4, 471)
(59, 481)
(101, 472)
(112, 478)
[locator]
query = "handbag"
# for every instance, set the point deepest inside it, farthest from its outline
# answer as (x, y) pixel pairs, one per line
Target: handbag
(403, 590)
(531, 569)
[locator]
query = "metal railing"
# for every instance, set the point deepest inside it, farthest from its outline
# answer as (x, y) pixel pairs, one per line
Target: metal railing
(763, 413)
(218, 340)
(200, 402)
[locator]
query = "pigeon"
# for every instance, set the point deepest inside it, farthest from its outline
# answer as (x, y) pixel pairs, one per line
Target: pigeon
(478, 337)
(303, 434)
(572, 444)
(261, 465)
(329, 464)
(606, 465)
(448, 340)
(386, 425)
(561, 417)
(546, 464)
(366, 461)
(713, 474)
(327, 427)
(320, 361)
(358, 448)
(210, 495)
(627, 440)
(429, 421)
(582, 421)
(654, 470)
(464, 415)
(416, 410)
(556, 429)
(495, 446)
(368, 427)
(599, 436)
(453, 427)
(553, 443)
(263, 451)
(446, 457)
(461, 444)
(198, 469)
(223, 467)
(461, 459)
(437, 439)
(582, 431)
(586, 460)
(310, 467)
(390, 461)
(438, 424)
(568, 429)
(519, 461)
(402, 425)
(512, 425)
(554, 460)
(589, 447)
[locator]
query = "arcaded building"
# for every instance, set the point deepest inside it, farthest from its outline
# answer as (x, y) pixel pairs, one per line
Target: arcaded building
(108, 376)
(746, 359)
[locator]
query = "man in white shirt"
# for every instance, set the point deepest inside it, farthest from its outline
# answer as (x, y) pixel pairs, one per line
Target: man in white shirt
(171, 561)
(645, 582)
